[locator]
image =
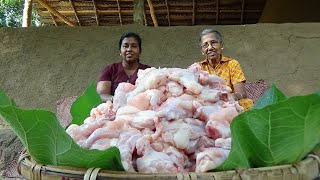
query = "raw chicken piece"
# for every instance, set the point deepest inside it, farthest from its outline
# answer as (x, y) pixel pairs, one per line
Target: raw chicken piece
(82, 132)
(176, 108)
(104, 110)
(120, 95)
(218, 129)
(152, 161)
(140, 120)
(233, 104)
(105, 143)
(152, 80)
(126, 110)
(205, 78)
(178, 157)
(203, 112)
(186, 78)
(126, 144)
(223, 143)
(197, 127)
(179, 132)
(174, 89)
(211, 95)
(76, 134)
(150, 99)
(113, 130)
(142, 73)
(210, 158)
(225, 114)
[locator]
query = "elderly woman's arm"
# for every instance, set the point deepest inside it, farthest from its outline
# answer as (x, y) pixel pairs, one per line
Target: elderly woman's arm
(239, 91)
(104, 90)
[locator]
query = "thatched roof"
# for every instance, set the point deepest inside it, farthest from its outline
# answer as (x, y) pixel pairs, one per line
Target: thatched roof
(164, 12)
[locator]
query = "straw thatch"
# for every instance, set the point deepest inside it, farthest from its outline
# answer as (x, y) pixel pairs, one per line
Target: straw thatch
(148, 12)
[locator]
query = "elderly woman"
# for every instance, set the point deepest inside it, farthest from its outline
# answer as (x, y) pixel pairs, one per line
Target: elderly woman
(124, 71)
(229, 69)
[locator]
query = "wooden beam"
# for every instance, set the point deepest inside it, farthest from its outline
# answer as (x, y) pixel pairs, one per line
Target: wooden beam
(54, 12)
(119, 9)
(144, 16)
(27, 13)
(153, 15)
(168, 12)
(138, 10)
(129, 12)
(217, 11)
(242, 11)
(193, 11)
(95, 12)
(75, 12)
(53, 19)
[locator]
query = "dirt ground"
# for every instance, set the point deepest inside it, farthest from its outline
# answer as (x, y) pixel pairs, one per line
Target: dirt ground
(39, 66)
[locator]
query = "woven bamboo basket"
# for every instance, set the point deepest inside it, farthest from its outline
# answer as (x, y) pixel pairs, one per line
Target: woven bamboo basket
(309, 168)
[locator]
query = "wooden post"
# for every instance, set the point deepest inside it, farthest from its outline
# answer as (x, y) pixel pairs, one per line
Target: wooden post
(138, 10)
(27, 13)
(153, 14)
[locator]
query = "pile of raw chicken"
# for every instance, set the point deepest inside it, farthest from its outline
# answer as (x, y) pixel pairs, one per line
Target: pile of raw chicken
(173, 120)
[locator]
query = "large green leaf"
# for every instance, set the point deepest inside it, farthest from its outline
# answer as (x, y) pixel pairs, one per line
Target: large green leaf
(81, 108)
(273, 95)
(48, 143)
(281, 133)
(5, 100)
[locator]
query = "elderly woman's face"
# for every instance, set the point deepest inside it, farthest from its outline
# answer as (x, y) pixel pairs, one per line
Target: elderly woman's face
(130, 50)
(211, 46)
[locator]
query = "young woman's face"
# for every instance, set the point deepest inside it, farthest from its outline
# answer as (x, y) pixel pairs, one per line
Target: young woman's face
(130, 50)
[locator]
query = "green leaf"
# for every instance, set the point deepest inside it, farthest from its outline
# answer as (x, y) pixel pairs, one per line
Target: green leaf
(281, 133)
(81, 108)
(48, 143)
(273, 95)
(4, 99)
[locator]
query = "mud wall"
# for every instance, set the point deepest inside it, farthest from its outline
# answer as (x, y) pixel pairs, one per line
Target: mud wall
(39, 66)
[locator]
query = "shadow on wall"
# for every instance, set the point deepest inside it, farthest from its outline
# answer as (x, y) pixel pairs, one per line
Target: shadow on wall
(290, 11)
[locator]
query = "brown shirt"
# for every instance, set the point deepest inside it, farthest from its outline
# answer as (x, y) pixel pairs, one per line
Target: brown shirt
(116, 74)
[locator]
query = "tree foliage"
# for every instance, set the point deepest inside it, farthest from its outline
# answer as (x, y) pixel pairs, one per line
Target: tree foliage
(11, 14)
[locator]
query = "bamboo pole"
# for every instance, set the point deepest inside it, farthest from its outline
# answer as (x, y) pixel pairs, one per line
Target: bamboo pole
(56, 13)
(54, 21)
(119, 8)
(75, 12)
(193, 11)
(27, 13)
(168, 12)
(145, 17)
(153, 15)
(95, 11)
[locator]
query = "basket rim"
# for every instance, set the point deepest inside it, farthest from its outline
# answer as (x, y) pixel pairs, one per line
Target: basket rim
(77, 172)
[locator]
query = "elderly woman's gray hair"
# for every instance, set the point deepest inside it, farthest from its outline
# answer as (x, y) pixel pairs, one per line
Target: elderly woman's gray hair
(211, 31)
